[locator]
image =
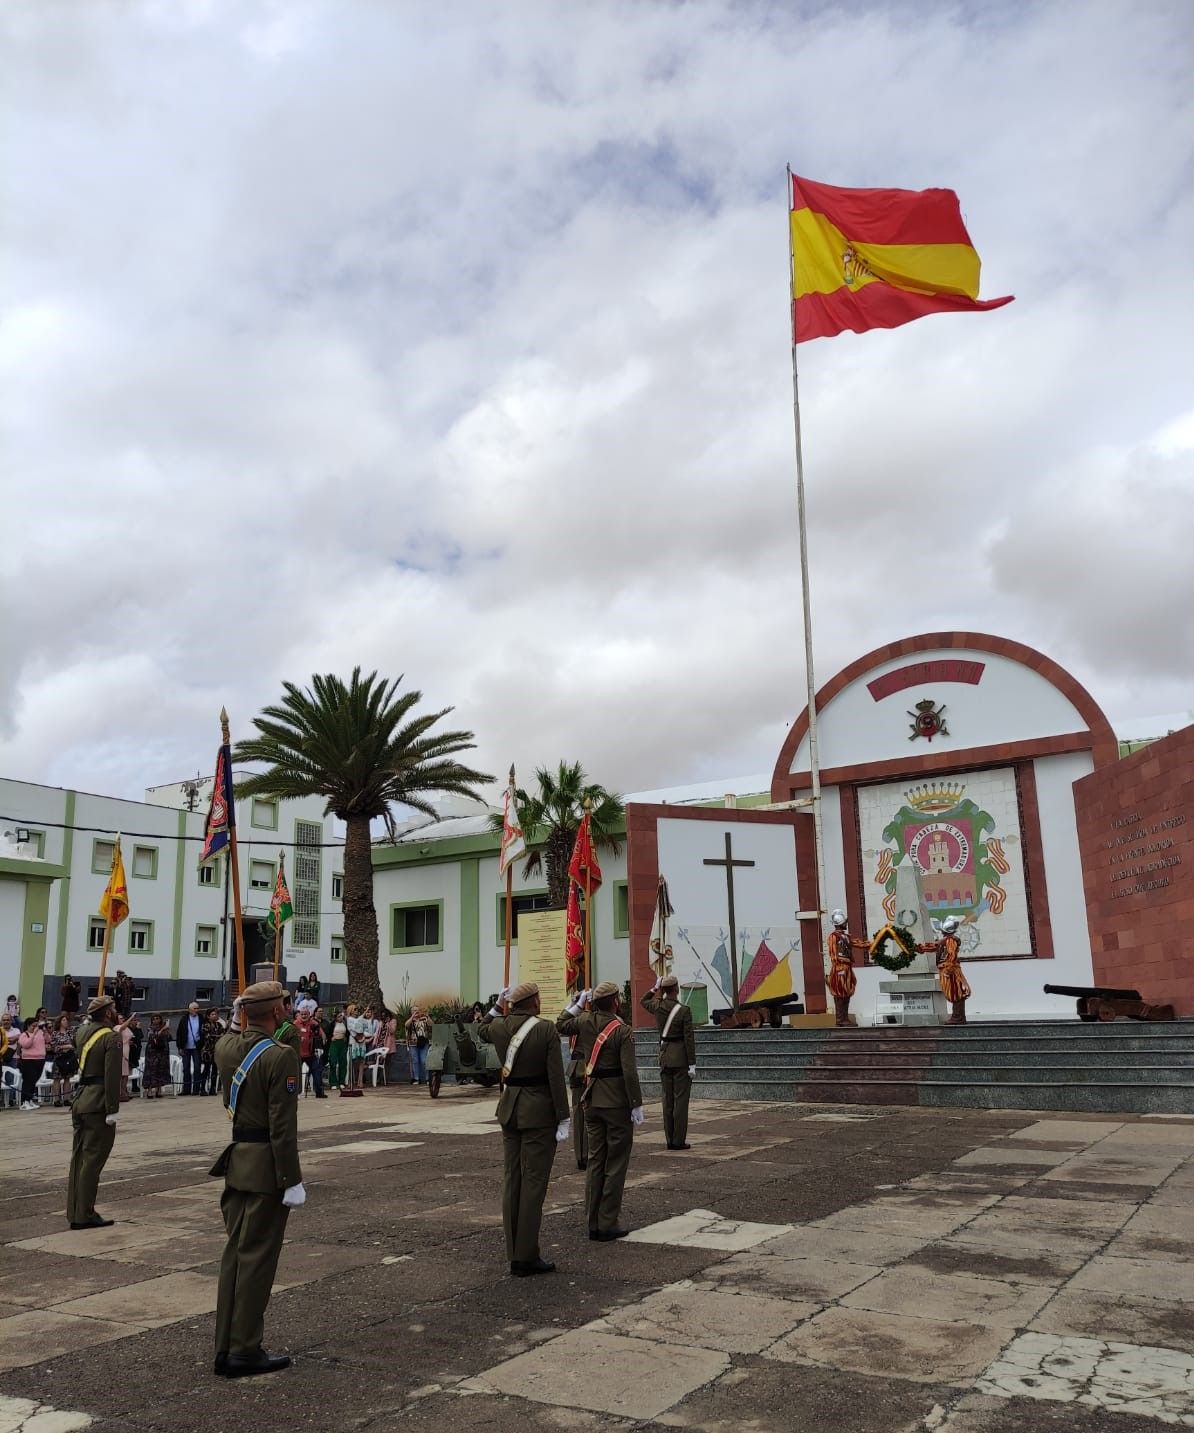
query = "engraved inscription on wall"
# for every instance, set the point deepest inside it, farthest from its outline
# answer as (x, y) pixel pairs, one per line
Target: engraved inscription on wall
(1142, 857)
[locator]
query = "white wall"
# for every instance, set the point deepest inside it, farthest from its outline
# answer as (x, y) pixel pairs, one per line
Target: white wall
(12, 926)
(434, 973)
(1010, 703)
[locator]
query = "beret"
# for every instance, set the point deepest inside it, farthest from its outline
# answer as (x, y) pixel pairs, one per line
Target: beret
(526, 991)
(101, 1002)
(669, 982)
(607, 987)
(262, 992)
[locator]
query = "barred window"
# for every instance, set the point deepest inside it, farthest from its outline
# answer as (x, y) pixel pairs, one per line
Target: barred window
(308, 879)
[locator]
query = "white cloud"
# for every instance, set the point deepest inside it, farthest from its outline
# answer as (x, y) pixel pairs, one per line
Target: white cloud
(455, 343)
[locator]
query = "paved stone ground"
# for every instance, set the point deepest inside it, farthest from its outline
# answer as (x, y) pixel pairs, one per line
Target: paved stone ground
(803, 1267)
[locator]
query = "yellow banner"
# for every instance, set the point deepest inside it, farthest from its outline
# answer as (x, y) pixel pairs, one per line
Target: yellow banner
(541, 957)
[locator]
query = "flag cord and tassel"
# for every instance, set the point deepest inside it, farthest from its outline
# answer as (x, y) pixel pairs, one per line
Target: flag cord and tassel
(814, 757)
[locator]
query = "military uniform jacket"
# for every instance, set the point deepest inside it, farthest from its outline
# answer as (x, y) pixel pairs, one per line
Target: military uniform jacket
(615, 1080)
(544, 1101)
(268, 1102)
(678, 1051)
(102, 1066)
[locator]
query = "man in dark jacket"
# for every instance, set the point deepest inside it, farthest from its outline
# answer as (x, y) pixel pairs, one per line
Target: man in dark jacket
(612, 1099)
(188, 1039)
(677, 1056)
(93, 1111)
(533, 1114)
(262, 1178)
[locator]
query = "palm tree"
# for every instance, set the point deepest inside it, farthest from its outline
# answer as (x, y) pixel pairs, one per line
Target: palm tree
(551, 815)
(362, 748)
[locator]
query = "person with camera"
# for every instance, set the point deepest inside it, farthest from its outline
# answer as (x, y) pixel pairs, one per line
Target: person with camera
(31, 1052)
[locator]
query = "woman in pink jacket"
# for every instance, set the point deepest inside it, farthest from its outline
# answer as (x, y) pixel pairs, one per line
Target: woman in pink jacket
(31, 1051)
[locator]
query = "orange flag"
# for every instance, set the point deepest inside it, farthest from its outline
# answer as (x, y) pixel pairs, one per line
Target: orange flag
(114, 903)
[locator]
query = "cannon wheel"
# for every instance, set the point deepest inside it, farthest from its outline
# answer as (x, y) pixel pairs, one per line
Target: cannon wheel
(435, 1079)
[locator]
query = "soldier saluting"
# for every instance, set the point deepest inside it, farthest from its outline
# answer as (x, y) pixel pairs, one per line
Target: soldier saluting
(262, 1179)
(677, 1056)
(613, 1102)
(93, 1111)
(533, 1114)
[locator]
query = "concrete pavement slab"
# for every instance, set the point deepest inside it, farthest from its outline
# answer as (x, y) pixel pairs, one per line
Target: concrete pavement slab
(910, 1291)
(37, 1334)
(1148, 1278)
(152, 1302)
(638, 1379)
(1088, 1313)
(24, 1415)
(848, 1246)
(705, 1229)
(1082, 1131)
(820, 1280)
(922, 1349)
(999, 1154)
(706, 1316)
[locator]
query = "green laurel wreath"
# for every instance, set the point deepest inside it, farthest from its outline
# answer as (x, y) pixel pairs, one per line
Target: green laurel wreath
(905, 952)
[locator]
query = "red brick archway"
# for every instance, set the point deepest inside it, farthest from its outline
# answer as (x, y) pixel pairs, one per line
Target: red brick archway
(1096, 737)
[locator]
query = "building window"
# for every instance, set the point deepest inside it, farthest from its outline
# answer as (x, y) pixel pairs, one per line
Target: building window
(140, 937)
(263, 814)
(204, 992)
(205, 939)
(209, 873)
(337, 886)
(621, 910)
(261, 875)
(337, 949)
(27, 836)
(95, 932)
(308, 882)
(145, 862)
(417, 927)
(523, 901)
(101, 857)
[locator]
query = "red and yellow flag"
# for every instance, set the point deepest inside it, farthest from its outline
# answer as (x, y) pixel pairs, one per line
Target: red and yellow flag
(878, 258)
(584, 868)
(114, 903)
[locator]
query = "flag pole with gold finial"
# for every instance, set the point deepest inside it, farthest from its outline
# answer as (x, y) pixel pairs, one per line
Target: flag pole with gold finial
(234, 864)
(588, 980)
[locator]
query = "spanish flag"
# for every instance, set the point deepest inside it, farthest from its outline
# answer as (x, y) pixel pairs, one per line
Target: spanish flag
(877, 258)
(114, 903)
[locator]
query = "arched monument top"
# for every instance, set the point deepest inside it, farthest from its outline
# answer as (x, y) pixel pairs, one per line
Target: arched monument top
(1092, 732)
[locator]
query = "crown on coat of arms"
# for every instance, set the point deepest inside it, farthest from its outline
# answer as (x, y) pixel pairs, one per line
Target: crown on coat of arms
(935, 796)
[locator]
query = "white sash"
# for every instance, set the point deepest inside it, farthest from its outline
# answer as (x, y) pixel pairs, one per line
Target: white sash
(667, 1024)
(516, 1044)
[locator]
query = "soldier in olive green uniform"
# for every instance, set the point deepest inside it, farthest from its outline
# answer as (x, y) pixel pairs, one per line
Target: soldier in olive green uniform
(533, 1114)
(613, 1103)
(576, 1084)
(677, 1056)
(262, 1178)
(93, 1111)
(288, 1032)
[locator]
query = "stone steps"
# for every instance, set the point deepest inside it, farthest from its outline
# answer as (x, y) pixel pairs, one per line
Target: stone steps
(1040, 1065)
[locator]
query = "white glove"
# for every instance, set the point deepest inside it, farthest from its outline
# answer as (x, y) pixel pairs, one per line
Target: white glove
(636, 1115)
(494, 1012)
(579, 1001)
(504, 994)
(586, 999)
(563, 1130)
(295, 1197)
(111, 1120)
(692, 1072)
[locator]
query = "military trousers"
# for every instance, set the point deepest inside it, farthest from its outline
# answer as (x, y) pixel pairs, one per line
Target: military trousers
(677, 1087)
(610, 1135)
(255, 1225)
(93, 1140)
(528, 1155)
(580, 1139)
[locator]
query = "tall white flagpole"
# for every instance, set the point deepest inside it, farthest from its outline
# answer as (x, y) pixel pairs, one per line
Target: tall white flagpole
(814, 759)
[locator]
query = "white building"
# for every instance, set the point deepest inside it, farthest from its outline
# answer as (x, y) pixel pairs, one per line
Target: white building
(55, 859)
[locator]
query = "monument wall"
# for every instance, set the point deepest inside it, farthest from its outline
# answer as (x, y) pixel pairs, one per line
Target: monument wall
(1136, 835)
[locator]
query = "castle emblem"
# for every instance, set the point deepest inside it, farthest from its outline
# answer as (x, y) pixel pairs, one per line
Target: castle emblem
(928, 720)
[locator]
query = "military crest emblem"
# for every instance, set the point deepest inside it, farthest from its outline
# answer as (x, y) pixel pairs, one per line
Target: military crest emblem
(928, 720)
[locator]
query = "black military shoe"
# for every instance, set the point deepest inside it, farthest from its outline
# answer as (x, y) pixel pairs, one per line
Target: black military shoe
(582, 1164)
(220, 1365)
(679, 1146)
(525, 1269)
(606, 1235)
(96, 1223)
(248, 1365)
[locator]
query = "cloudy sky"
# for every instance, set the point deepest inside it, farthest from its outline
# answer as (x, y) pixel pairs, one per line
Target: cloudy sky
(453, 341)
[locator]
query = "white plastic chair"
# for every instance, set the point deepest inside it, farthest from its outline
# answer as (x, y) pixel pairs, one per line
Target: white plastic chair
(46, 1083)
(375, 1064)
(135, 1079)
(175, 1074)
(10, 1088)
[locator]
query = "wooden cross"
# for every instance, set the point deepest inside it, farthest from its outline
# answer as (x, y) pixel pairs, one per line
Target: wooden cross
(729, 863)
